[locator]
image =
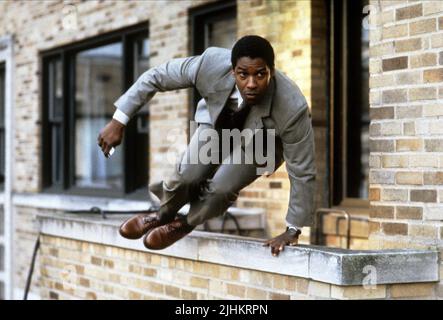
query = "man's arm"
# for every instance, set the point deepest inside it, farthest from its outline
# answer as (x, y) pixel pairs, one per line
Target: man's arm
(172, 75)
(299, 154)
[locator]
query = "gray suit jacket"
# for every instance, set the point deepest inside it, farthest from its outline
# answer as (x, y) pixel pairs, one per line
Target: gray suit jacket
(283, 108)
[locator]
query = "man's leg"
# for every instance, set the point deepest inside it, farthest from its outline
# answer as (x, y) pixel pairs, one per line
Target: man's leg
(185, 183)
(182, 187)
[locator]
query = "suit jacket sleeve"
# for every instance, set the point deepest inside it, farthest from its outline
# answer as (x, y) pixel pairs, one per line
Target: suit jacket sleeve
(175, 74)
(299, 154)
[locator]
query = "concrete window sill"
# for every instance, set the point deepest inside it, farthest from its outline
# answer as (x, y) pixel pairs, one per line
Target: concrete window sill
(329, 265)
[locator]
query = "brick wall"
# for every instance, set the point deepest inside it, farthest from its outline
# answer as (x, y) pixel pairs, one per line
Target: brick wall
(73, 269)
(406, 90)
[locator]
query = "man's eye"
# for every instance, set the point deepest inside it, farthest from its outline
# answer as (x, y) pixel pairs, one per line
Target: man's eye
(242, 74)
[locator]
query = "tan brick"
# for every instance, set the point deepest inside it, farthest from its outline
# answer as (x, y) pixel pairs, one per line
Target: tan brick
(433, 178)
(319, 289)
(381, 177)
(409, 12)
(422, 26)
(394, 95)
(256, 294)
(423, 161)
(382, 80)
(409, 145)
(279, 296)
(409, 128)
(188, 294)
(382, 212)
(433, 110)
(396, 63)
(425, 231)
(392, 128)
(395, 31)
(375, 98)
(199, 282)
(414, 77)
(424, 93)
(432, 7)
(427, 59)
(374, 66)
(415, 178)
(381, 49)
(408, 112)
(413, 213)
(440, 23)
(394, 194)
(374, 129)
(374, 194)
(216, 286)
(374, 227)
(437, 40)
(424, 195)
(434, 145)
(394, 161)
(281, 282)
(381, 145)
(358, 292)
(172, 291)
(236, 290)
(413, 290)
(394, 228)
(382, 113)
(374, 161)
(302, 285)
(434, 75)
(408, 45)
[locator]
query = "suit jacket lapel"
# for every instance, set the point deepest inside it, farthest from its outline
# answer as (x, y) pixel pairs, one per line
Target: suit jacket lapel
(218, 98)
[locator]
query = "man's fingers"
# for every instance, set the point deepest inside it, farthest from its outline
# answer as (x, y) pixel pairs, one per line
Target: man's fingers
(107, 150)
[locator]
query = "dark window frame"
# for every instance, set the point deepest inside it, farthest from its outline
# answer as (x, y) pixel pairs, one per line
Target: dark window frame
(132, 177)
(2, 126)
(344, 47)
(199, 17)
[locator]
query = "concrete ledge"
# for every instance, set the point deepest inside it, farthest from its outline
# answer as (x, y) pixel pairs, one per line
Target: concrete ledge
(330, 265)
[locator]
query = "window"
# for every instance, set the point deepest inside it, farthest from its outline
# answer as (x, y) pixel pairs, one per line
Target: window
(213, 25)
(350, 101)
(80, 84)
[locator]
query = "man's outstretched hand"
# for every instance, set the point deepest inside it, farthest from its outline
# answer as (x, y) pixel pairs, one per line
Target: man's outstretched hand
(289, 237)
(110, 136)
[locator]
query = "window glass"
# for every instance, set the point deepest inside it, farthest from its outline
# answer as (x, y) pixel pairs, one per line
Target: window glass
(98, 74)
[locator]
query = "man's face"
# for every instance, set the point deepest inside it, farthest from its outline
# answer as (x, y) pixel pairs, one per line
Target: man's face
(252, 77)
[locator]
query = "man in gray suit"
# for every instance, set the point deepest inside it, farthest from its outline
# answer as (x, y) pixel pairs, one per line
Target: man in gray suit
(241, 90)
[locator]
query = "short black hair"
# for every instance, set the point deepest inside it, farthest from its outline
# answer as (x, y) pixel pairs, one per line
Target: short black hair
(253, 46)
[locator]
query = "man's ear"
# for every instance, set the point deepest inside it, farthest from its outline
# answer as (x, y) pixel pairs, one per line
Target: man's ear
(232, 71)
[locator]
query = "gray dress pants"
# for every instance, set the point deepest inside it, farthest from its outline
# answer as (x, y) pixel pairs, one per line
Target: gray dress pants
(209, 188)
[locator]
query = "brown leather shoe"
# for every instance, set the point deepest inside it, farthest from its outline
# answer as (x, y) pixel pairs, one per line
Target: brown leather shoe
(163, 236)
(139, 225)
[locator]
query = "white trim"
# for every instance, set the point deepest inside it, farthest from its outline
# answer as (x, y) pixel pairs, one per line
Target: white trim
(6, 55)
